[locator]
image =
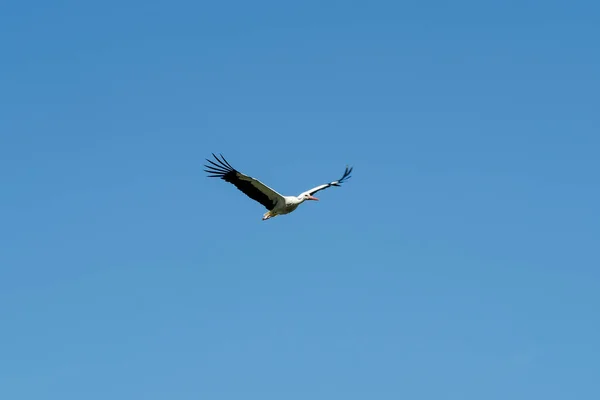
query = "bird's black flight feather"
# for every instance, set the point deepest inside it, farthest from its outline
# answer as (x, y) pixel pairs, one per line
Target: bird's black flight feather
(222, 169)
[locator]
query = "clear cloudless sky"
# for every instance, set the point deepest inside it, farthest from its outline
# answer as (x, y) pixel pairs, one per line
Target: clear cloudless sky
(461, 261)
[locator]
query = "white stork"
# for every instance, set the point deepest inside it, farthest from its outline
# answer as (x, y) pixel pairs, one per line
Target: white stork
(256, 190)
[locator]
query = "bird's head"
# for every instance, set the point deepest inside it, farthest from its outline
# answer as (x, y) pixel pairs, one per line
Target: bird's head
(307, 196)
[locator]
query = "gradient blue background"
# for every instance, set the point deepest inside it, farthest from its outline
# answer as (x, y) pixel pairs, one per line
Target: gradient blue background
(460, 262)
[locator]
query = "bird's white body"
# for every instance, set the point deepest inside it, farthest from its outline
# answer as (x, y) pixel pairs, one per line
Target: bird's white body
(256, 190)
(289, 204)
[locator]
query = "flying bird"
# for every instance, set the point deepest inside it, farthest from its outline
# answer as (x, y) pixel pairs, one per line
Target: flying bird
(275, 203)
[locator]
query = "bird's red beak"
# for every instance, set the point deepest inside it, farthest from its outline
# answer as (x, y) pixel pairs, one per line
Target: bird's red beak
(312, 198)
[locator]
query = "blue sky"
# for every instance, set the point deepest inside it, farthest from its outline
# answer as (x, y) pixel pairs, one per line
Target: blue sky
(459, 262)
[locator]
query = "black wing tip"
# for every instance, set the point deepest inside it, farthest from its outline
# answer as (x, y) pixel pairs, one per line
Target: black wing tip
(346, 175)
(219, 168)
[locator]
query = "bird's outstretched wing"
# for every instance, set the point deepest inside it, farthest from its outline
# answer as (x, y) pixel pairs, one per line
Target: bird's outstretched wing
(251, 187)
(339, 182)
